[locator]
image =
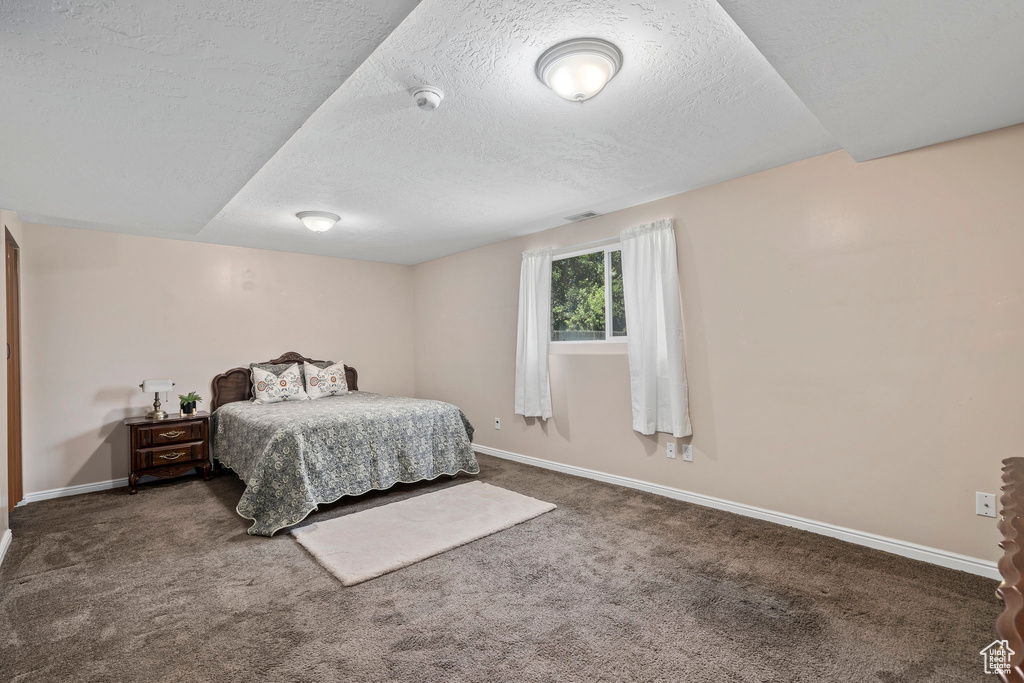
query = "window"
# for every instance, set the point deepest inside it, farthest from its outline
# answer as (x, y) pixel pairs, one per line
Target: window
(586, 296)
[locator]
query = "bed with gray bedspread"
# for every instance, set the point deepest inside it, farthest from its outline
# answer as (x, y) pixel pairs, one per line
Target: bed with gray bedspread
(295, 455)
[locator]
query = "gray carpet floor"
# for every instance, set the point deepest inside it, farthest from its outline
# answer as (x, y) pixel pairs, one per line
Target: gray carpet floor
(614, 585)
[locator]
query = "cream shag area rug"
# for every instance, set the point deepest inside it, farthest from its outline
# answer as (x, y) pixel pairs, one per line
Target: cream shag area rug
(373, 542)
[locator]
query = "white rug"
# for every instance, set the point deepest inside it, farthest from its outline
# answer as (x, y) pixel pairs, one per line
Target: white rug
(366, 544)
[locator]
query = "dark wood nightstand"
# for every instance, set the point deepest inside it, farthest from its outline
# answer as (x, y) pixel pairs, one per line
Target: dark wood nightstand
(169, 447)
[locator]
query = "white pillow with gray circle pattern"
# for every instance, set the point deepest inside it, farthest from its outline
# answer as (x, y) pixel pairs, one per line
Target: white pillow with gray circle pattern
(270, 387)
(329, 381)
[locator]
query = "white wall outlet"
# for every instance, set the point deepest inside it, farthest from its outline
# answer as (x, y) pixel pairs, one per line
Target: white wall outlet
(670, 450)
(497, 423)
(985, 504)
(688, 452)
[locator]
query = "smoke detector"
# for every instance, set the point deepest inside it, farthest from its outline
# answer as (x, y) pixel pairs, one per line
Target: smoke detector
(427, 97)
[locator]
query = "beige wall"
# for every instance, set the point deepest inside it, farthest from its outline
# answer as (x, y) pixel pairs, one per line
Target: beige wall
(103, 311)
(854, 339)
(855, 342)
(8, 220)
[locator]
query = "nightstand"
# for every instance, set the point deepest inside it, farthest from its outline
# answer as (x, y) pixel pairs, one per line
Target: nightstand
(169, 447)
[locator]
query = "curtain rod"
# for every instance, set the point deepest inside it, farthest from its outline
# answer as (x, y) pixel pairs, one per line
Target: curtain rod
(576, 247)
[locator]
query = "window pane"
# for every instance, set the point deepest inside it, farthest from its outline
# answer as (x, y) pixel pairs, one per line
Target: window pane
(618, 302)
(577, 298)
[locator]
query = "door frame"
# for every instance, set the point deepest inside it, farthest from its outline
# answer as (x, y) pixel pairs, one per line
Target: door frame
(12, 273)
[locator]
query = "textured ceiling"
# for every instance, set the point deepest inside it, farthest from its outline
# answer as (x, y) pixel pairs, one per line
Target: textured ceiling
(149, 116)
(695, 103)
(182, 118)
(885, 76)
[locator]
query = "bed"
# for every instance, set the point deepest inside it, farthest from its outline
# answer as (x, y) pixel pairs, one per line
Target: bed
(295, 455)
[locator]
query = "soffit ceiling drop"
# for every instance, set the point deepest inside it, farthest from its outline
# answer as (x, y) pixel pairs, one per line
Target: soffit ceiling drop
(148, 117)
(885, 76)
(694, 103)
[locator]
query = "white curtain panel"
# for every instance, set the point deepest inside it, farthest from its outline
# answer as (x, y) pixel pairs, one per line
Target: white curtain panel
(533, 391)
(654, 329)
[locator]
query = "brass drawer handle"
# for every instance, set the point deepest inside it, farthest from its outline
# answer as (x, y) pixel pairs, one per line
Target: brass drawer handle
(172, 456)
(171, 435)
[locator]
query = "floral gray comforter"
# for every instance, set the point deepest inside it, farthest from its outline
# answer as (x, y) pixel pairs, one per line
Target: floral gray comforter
(296, 454)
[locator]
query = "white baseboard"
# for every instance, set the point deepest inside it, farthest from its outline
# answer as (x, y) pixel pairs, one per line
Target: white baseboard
(915, 551)
(73, 490)
(942, 558)
(5, 543)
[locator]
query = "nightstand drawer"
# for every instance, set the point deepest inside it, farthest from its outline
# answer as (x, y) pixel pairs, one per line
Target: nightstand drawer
(170, 455)
(179, 432)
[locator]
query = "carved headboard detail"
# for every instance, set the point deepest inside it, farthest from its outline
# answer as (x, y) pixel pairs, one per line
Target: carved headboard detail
(236, 384)
(1010, 624)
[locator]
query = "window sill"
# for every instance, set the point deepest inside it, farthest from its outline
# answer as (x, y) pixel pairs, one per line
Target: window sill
(592, 348)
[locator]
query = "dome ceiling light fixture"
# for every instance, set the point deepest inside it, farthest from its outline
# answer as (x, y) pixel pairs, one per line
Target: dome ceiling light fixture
(579, 68)
(318, 221)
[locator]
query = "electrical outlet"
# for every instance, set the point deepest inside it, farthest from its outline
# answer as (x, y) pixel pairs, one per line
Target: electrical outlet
(985, 504)
(497, 423)
(688, 452)
(670, 450)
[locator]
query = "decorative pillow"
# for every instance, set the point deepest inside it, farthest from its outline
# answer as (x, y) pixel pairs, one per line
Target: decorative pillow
(272, 387)
(276, 368)
(329, 381)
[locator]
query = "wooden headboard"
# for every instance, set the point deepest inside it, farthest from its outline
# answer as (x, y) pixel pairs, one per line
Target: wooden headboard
(1010, 625)
(236, 384)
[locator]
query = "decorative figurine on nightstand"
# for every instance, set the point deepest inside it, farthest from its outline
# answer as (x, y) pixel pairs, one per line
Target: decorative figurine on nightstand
(188, 403)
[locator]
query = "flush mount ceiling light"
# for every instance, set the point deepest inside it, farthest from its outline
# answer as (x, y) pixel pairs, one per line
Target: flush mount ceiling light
(578, 69)
(318, 221)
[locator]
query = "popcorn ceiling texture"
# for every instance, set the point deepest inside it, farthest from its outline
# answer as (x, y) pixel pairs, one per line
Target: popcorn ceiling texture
(185, 119)
(885, 77)
(148, 117)
(694, 104)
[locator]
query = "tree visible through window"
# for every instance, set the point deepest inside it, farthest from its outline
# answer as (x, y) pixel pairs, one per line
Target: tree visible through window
(586, 297)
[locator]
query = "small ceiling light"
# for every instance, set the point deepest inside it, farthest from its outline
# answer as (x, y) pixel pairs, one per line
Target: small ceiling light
(578, 69)
(318, 221)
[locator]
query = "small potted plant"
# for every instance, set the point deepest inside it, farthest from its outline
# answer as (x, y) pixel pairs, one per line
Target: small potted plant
(188, 402)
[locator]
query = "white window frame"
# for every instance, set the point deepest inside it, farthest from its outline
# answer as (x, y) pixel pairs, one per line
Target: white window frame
(607, 249)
